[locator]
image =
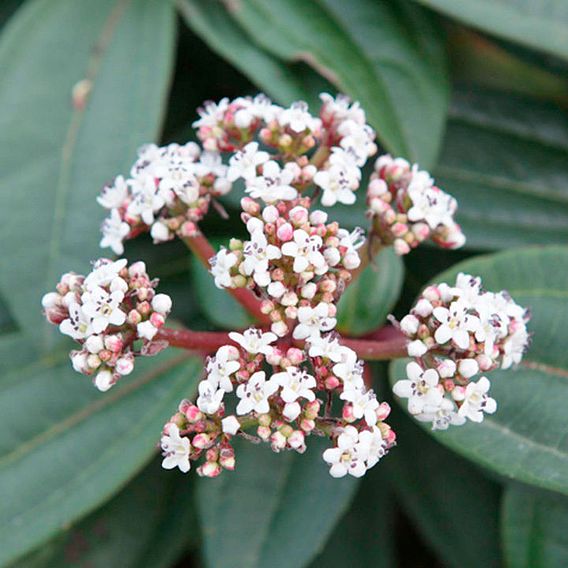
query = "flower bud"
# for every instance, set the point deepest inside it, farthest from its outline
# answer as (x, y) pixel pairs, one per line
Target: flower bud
(162, 304)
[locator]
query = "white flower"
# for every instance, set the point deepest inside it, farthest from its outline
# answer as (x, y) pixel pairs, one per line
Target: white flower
(477, 401)
(273, 185)
(443, 416)
(221, 265)
(254, 394)
(113, 196)
(297, 118)
(114, 231)
(456, 324)
(364, 404)
(243, 164)
(296, 383)
(78, 324)
(357, 138)
(104, 272)
(103, 308)
(372, 445)
(336, 186)
(230, 425)
(146, 330)
(468, 287)
(421, 389)
(350, 369)
(342, 108)
(514, 347)
(222, 366)
(305, 250)
(210, 397)
(254, 341)
(162, 304)
(430, 204)
(313, 321)
(258, 253)
(347, 457)
(263, 108)
(326, 346)
(175, 449)
(211, 113)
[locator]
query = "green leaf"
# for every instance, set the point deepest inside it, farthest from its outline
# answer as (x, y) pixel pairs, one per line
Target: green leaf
(158, 503)
(55, 157)
(65, 448)
(365, 535)
(534, 528)
(441, 491)
(367, 302)
(211, 22)
(387, 55)
(218, 305)
(269, 502)
(505, 160)
(540, 25)
(527, 438)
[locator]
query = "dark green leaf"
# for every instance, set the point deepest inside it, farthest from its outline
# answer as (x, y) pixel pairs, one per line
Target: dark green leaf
(505, 160)
(65, 448)
(527, 438)
(541, 25)
(367, 302)
(365, 535)
(254, 514)
(157, 503)
(534, 528)
(387, 55)
(55, 155)
(211, 22)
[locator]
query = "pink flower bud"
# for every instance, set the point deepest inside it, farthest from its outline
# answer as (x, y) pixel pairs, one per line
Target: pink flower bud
(114, 343)
(157, 320)
(227, 462)
(201, 441)
(134, 317)
(270, 214)
(209, 469)
(298, 215)
(125, 365)
(297, 441)
(347, 413)
(307, 425)
(383, 411)
(277, 441)
(264, 432)
(332, 382)
(285, 232)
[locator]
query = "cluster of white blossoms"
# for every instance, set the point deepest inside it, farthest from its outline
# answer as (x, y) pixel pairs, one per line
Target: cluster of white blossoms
(284, 407)
(296, 261)
(114, 313)
(406, 207)
(168, 192)
(455, 333)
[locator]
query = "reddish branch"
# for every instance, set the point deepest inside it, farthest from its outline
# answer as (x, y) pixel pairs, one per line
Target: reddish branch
(391, 347)
(203, 250)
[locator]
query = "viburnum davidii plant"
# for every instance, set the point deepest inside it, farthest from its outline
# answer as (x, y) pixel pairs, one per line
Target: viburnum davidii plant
(291, 375)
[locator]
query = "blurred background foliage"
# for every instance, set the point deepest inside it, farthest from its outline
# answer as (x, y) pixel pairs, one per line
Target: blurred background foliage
(475, 91)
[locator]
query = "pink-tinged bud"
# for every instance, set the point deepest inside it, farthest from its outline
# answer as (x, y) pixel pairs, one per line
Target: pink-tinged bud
(458, 393)
(79, 361)
(286, 430)
(295, 355)
(227, 462)
(144, 308)
(352, 260)
(347, 413)
(309, 290)
(431, 293)
(277, 441)
(311, 409)
(327, 285)
(401, 247)
(285, 232)
(446, 369)
(485, 363)
(383, 411)
(193, 414)
(318, 217)
(157, 320)
(399, 229)
(421, 230)
(377, 187)
(291, 312)
(274, 357)
(270, 214)
(188, 229)
(299, 215)
(105, 355)
(134, 317)
(264, 432)
(468, 368)
(114, 343)
(448, 385)
(307, 425)
(296, 440)
(331, 310)
(209, 469)
(289, 299)
(212, 455)
(250, 206)
(125, 365)
(423, 308)
(279, 328)
(332, 382)
(266, 307)
(390, 437)
(201, 441)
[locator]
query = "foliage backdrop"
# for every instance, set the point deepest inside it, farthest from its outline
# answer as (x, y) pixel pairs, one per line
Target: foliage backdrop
(475, 91)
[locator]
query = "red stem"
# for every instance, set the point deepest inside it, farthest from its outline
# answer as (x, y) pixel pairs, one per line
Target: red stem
(209, 341)
(203, 250)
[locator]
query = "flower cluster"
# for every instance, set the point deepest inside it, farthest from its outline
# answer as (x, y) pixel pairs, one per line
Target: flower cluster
(114, 313)
(455, 333)
(169, 190)
(283, 408)
(295, 260)
(406, 207)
